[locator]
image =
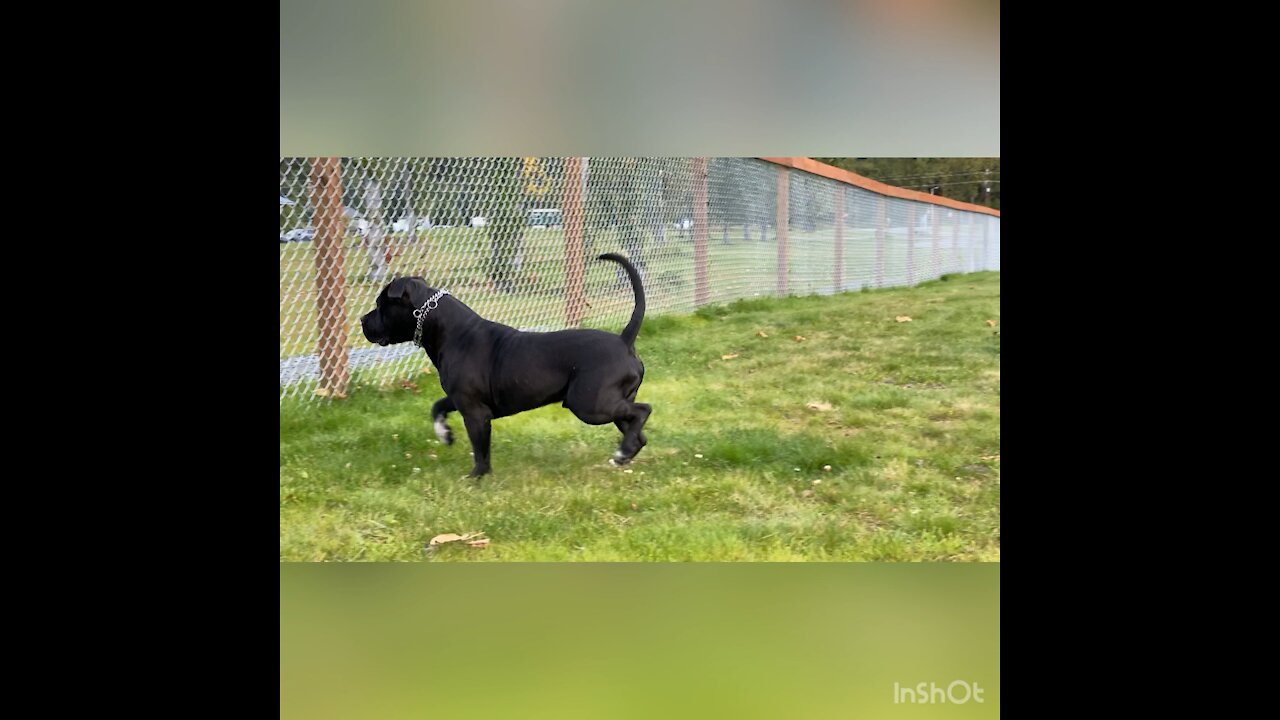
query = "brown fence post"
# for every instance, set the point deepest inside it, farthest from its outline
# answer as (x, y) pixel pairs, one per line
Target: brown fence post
(880, 233)
(784, 179)
(839, 270)
(699, 231)
(331, 300)
(574, 298)
(911, 246)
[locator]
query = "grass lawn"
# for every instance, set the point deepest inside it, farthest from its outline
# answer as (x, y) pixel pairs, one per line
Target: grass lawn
(906, 416)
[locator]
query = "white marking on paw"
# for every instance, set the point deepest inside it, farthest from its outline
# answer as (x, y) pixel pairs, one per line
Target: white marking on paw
(442, 429)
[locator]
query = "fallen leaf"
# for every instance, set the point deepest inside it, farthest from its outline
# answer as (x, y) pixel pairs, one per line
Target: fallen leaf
(799, 338)
(447, 537)
(482, 542)
(904, 318)
(634, 506)
(827, 468)
(806, 493)
(322, 392)
(426, 370)
(728, 357)
(820, 406)
(409, 385)
(991, 323)
(761, 333)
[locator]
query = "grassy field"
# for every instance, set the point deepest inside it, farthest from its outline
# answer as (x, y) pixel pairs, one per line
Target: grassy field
(870, 439)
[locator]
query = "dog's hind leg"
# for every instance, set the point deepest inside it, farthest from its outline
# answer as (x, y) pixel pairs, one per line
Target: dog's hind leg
(623, 424)
(634, 416)
(439, 411)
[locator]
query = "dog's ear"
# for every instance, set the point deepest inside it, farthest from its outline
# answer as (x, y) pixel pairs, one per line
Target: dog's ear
(397, 289)
(401, 288)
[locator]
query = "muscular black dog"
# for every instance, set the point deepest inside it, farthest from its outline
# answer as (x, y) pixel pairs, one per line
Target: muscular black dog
(489, 370)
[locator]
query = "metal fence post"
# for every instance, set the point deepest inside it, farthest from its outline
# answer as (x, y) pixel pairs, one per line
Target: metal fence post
(955, 243)
(331, 301)
(935, 213)
(838, 277)
(986, 243)
(574, 189)
(911, 246)
(782, 218)
(880, 233)
(700, 292)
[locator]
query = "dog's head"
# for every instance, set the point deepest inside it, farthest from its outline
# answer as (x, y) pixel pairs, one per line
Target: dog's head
(391, 321)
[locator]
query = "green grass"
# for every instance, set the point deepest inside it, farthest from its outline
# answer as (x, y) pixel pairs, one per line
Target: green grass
(912, 439)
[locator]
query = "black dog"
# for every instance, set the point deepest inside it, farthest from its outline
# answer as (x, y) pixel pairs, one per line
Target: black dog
(489, 370)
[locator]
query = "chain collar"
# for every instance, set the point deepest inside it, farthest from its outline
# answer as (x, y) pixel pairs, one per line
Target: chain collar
(421, 314)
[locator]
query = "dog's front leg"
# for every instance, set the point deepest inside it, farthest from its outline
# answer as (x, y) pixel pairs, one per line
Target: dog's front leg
(439, 412)
(477, 422)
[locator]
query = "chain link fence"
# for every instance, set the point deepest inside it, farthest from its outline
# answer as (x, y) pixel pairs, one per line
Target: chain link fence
(516, 240)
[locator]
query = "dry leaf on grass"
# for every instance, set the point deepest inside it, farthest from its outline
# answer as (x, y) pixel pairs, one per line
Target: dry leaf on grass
(470, 539)
(903, 318)
(761, 333)
(799, 338)
(426, 370)
(729, 357)
(991, 323)
(820, 406)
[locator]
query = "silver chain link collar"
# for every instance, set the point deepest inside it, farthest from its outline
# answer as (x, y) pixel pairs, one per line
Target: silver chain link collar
(421, 314)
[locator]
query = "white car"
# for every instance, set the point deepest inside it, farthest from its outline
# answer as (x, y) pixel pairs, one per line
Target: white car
(298, 235)
(545, 217)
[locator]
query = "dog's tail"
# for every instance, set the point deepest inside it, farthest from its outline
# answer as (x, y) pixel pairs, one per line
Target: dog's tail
(633, 328)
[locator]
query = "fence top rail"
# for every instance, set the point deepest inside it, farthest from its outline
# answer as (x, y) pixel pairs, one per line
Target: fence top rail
(810, 165)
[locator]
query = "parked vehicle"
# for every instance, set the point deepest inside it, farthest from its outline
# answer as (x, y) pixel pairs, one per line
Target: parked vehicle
(298, 235)
(545, 217)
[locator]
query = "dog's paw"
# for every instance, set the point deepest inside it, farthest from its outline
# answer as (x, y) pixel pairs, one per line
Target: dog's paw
(443, 432)
(618, 460)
